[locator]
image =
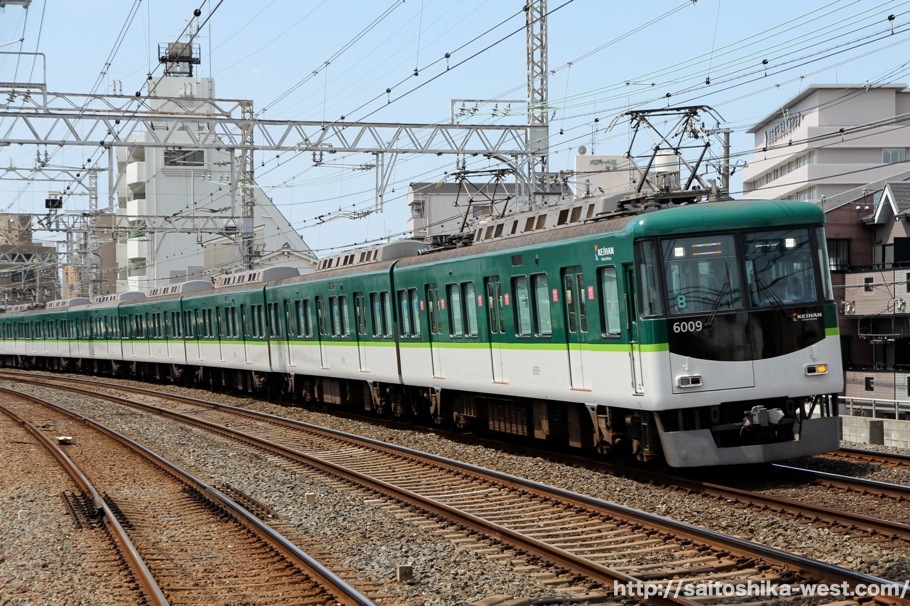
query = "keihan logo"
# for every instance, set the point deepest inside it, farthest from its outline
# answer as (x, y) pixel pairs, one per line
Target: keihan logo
(603, 251)
(809, 316)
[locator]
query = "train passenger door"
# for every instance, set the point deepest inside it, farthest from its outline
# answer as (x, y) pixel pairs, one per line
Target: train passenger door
(496, 324)
(575, 298)
(322, 326)
(360, 319)
(638, 385)
(434, 329)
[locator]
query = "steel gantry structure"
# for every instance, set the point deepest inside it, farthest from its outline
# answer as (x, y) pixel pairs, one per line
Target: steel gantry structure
(30, 115)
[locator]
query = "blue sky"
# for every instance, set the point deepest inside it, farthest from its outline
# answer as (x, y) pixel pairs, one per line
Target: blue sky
(312, 60)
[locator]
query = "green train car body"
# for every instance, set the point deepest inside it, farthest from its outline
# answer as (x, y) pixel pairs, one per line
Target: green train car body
(704, 334)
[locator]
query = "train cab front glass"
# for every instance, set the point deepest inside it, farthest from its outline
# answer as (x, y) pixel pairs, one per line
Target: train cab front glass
(728, 272)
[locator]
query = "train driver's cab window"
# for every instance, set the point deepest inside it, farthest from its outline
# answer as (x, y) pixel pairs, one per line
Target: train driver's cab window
(702, 274)
(779, 267)
(648, 278)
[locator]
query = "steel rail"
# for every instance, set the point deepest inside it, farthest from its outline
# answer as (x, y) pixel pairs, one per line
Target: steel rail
(895, 490)
(143, 575)
(560, 557)
(874, 456)
(809, 567)
(346, 594)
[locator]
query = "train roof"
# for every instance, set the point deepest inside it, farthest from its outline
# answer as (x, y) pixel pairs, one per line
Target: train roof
(690, 218)
(181, 288)
(733, 214)
(252, 276)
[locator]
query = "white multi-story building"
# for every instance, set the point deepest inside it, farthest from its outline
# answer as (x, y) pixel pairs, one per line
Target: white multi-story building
(828, 139)
(182, 181)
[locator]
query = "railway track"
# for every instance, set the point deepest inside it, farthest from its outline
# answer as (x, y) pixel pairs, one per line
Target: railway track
(594, 540)
(885, 459)
(185, 542)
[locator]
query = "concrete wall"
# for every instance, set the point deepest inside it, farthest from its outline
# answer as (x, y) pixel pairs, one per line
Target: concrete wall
(881, 432)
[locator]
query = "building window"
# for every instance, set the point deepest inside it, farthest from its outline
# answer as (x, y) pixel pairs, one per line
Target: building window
(867, 285)
(418, 207)
(894, 155)
(870, 383)
(184, 157)
(839, 254)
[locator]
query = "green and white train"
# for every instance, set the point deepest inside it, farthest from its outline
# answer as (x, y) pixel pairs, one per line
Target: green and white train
(703, 334)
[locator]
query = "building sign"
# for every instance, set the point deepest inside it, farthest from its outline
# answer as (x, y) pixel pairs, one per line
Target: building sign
(783, 128)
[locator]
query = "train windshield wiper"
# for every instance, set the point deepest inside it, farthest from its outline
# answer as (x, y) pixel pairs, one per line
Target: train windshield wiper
(770, 295)
(723, 290)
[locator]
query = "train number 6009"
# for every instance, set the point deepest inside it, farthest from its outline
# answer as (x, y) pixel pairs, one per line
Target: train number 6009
(692, 326)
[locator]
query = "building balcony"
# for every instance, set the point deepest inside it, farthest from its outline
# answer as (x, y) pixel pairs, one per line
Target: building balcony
(137, 248)
(136, 207)
(136, 177)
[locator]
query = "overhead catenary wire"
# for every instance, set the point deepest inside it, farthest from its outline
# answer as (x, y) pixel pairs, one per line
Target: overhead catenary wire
(587, 125)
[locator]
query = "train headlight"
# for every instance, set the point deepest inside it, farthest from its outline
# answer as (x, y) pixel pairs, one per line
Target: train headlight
(816, 369)
(688, 381)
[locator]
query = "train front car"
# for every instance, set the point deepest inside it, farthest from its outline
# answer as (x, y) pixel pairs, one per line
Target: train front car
(745, 305)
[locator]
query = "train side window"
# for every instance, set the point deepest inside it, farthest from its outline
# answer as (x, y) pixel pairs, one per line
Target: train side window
(247, 317)
(521, 306)
(385, 298)
(274, 320)
(456, 312)
(543, 325)
(339, 318)
(405, 327)
(261, 326)
(345, 318)
(360, 314)
(415, 306)
(302, 314)
(582, 303)
(609, 302)
(188, 324)
(376, 316)
(470, 309)
(494, 305)
(177, 324)
(255, 320)
(230, 321)
(572, 315)
(321, 316)
(433, 312)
